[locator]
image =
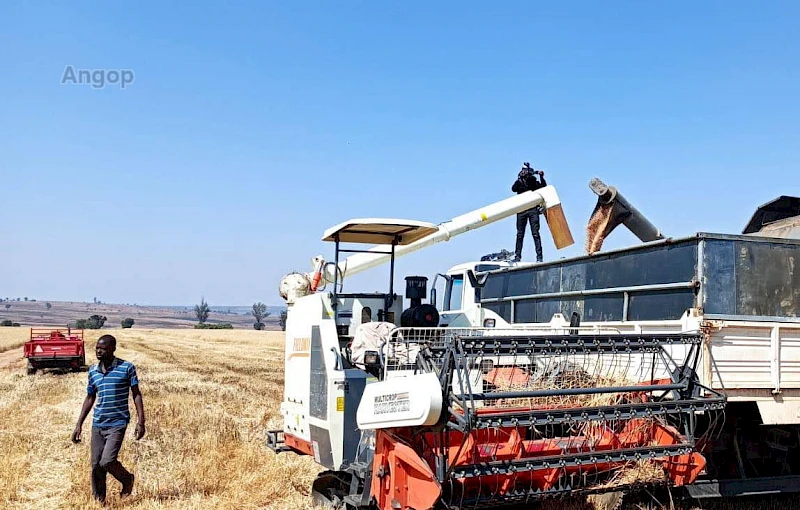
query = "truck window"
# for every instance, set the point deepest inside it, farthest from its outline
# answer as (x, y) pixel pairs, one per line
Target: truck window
(455, 289)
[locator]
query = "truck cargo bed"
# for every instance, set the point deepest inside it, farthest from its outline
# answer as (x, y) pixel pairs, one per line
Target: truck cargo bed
(736, 277)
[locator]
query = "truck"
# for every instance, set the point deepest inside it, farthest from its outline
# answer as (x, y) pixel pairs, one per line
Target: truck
(671, 363)
(61, 348)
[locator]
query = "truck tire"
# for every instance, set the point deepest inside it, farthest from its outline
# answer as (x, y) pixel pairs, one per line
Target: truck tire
(81, 363)
(31, 370)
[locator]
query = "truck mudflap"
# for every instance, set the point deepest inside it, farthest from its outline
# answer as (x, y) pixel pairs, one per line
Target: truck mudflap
(530, 416)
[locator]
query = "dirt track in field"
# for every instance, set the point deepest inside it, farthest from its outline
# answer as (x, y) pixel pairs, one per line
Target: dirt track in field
(11, 358)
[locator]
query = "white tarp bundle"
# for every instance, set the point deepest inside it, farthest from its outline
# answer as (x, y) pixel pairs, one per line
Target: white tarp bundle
(370, 336)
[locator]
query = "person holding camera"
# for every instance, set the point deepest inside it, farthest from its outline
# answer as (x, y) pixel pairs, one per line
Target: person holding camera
(527, 181)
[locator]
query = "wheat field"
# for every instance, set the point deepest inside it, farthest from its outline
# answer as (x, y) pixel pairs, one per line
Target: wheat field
(11, 337)
(209, 396)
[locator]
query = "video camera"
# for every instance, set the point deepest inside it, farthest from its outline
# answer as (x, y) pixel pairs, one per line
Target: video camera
(526, 168)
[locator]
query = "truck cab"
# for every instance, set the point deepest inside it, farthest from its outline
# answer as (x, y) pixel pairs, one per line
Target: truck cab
(461, 286)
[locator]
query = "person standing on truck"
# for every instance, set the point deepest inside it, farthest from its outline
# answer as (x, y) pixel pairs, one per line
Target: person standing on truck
(109, 382)
(527, 181)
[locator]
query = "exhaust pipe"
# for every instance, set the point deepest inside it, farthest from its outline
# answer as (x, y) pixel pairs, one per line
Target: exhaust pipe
(613, 209)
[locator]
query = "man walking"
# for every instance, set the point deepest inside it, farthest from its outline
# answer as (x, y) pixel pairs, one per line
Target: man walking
(527, 181)
(109, 382)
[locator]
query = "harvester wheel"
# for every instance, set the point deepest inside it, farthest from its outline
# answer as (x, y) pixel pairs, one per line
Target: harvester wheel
(329, 489)
(606, 500)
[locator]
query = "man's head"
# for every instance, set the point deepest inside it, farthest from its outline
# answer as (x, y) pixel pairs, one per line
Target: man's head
(106, 345)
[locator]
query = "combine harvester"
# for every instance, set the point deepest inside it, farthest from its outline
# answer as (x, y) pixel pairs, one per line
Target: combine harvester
(673, 363)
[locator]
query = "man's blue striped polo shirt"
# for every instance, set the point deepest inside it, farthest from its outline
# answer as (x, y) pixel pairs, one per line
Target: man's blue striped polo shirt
(111, 407)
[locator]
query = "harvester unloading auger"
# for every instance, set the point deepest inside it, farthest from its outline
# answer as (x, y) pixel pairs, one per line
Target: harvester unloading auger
(612, 210)
(407, 412)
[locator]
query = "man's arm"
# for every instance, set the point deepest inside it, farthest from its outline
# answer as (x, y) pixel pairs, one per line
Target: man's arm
(88, 402)
(137, 401)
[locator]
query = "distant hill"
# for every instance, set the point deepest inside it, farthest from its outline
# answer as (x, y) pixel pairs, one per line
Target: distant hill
(238, 310)
(61, 313)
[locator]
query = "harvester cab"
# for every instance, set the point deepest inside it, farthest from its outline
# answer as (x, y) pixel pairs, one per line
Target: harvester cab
(353, 309)
(330, 338)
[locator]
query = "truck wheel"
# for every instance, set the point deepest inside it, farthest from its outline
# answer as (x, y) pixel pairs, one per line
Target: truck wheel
(81, 363)
(31, 369)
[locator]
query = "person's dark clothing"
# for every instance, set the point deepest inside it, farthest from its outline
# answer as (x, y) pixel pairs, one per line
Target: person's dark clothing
(527, 181)
(106, 443)
(523, 218)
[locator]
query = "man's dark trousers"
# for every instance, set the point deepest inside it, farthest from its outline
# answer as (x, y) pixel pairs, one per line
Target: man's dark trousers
(523, 218)
(106, 444)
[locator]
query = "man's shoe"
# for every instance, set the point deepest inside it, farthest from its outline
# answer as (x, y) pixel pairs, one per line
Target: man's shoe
(127, 488)
(538, 260)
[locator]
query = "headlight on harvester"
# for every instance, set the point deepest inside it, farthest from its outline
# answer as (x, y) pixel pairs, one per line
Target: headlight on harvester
(488, 323)
(371, 358)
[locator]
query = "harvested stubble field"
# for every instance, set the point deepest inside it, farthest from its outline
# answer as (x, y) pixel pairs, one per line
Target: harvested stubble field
(209, 396)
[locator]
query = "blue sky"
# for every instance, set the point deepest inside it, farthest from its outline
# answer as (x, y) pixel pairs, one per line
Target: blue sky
(251, 128)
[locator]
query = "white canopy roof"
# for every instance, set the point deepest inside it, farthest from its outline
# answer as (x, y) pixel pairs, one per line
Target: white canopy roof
(379, 231)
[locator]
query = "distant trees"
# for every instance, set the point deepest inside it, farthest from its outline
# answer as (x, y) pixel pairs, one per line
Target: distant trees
(47, 305)
(201, 311)
(127, 323)
(8, 306)
(225, 325)
(93, 322)
(259, 312)
(9, 323)
(282, 319)
(26, 298)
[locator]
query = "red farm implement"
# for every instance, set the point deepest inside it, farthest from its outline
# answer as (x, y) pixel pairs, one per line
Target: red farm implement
(55, 348)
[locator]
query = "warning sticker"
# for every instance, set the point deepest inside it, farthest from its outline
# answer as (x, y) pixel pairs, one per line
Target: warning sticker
(340, 404)
(392, 403)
